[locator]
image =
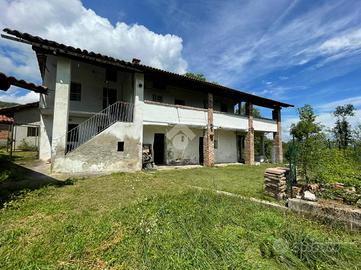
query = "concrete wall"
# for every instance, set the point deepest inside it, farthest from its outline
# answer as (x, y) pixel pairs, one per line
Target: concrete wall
(189, 154)
(172, 114)
(100, 155)
(236, 122)
(92, 80)
(226, 151)
(176, 152)
(155, 113)
(27, 118)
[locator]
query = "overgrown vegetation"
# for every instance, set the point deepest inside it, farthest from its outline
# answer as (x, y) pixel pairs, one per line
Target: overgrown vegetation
(154, 220)
(327, 158)
(7, 104)
(26, 146)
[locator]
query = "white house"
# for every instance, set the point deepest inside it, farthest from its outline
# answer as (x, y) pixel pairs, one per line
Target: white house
(100, 112)
(25, 127)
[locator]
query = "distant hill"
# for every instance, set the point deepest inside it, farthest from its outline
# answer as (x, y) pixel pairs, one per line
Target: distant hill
(7, 104)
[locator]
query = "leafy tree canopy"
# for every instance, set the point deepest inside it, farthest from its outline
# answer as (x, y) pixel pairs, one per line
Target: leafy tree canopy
(197, 76)
(342, 129)
(307, 125)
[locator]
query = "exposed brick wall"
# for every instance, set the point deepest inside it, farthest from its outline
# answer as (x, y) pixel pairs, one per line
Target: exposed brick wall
(4, 132)
(208, 141)
(277, 136)
(249, 142)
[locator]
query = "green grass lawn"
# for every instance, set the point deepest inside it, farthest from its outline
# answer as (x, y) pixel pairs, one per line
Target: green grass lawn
(154, 220)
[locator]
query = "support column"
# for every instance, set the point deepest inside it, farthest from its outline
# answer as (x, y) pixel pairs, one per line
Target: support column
(249, 142)
(277, 136)
(138, 113)
(61, 108)
(209, 135)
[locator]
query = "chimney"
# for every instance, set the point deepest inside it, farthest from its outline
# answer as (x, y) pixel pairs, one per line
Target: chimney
(135, 61)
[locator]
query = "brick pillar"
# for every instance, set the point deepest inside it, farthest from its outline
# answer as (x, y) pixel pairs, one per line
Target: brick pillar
(209, 136)
(249, 142)
(277, 136)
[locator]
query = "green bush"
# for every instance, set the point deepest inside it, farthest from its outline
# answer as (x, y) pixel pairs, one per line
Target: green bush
(337, 166)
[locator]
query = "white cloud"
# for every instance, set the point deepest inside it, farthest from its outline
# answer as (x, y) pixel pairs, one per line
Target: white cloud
(69, 22)
(270, 38)
(14, 94)
(327, 107)
(348, 41)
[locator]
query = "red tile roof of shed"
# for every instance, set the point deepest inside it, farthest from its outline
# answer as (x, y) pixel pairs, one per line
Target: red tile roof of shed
(6, 120)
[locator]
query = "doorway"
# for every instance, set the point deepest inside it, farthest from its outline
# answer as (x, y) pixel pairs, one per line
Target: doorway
(240, 148)
(109, 96)
(158, 148)
(201, 153)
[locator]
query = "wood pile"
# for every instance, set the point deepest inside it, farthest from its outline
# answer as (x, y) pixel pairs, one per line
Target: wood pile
(275, 182)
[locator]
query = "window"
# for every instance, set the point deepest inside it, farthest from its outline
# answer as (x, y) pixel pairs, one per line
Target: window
(32, 132)
(111, 74)
(179, 102)
(157, 98)
(215, 144)
(224, 107)
(75, 91)
(120, 146)
(109, 97)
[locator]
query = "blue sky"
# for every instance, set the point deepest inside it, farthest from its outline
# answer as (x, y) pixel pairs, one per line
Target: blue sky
(294, 51)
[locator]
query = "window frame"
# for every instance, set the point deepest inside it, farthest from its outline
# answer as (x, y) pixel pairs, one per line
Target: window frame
(32, 132)
(72, 93)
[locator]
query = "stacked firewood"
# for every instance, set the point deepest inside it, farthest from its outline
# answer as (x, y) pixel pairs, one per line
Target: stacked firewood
(275, 180)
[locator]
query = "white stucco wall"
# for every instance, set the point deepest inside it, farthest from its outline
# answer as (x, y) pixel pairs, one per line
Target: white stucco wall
(175, 153)
(264, 125)
(226, 151)
(92, 80)
(100, 155)
(26, 118)
(228, 121)
(154, 113)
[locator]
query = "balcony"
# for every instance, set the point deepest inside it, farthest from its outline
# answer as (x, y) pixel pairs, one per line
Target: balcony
(156, 113)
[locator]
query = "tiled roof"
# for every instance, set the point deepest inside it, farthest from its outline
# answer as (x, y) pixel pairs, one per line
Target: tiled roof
(6, 120)
(6, 81)
(55, 47)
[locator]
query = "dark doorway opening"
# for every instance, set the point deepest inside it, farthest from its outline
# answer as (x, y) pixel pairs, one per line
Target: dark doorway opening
(201, 154)
(109, 97)
(240, 148)
(158, 148)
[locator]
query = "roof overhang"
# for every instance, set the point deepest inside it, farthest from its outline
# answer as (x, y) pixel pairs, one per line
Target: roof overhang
(43, 46)
(7, 81)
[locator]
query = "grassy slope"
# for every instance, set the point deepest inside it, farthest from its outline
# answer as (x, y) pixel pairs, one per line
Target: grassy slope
(7, 104)
(155, 221)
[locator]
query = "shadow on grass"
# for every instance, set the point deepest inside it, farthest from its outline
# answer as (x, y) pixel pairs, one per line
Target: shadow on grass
(16, 179)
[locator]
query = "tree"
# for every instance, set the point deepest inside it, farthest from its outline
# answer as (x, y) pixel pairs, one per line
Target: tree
(309, 140)
(342, 130)
(196, 76)
(307, 125)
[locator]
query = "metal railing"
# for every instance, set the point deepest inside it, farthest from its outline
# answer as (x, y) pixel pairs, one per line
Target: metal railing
(117, 112)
